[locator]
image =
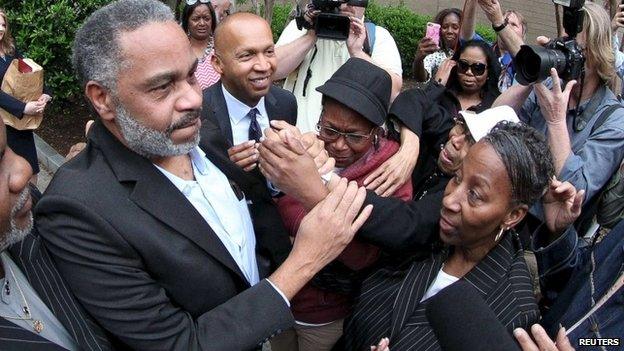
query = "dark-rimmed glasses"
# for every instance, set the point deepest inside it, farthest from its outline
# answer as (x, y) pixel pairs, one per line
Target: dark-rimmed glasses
(329, 134)
(476, 68)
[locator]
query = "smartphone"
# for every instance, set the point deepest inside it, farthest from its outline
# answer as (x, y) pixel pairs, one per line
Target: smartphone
(433, 32)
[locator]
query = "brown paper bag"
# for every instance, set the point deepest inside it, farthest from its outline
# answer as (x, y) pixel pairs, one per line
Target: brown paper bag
(24, 87)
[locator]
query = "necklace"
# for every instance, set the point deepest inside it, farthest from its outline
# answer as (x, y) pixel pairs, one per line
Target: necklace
(36, 323)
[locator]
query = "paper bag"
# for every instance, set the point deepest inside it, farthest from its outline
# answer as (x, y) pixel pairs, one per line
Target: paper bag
(24, 87)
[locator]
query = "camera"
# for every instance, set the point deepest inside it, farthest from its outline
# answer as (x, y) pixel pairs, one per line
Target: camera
(330, 23)
(533, 62)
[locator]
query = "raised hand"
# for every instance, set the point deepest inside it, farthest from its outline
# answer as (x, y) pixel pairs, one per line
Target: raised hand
(562, 205)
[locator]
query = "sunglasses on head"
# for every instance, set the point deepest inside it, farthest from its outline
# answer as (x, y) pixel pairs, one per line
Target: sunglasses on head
(476, 68)
(193, 2)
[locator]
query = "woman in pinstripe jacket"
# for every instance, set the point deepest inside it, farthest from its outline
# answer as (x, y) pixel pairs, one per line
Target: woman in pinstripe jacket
(500, 178)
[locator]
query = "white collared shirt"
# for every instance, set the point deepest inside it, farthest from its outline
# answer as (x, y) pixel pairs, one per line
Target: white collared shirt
(238, 110)
(212, 196)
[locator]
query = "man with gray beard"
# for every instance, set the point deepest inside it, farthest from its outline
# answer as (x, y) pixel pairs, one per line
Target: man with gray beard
(37, 312)
(167, 243)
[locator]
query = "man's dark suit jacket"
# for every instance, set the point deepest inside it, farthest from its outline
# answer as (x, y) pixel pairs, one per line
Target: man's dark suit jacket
(280, 105)
(34, 261)
(144, 262)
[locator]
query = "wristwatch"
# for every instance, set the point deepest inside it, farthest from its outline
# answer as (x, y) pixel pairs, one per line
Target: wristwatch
(501, 27)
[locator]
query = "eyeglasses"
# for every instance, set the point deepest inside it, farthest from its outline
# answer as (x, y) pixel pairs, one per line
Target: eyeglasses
(476, 68)
(193, 2)
(329, 134)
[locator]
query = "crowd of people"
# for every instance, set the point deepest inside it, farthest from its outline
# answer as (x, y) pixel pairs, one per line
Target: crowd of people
(213, 209)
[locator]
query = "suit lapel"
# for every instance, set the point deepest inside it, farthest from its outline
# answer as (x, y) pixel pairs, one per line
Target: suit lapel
(216, 103)
(34, 261)
(420, 275)
(156, 195)
(491, 269)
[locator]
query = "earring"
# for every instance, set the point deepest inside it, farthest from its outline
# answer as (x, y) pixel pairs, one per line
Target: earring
(376, 141)
(499, 235)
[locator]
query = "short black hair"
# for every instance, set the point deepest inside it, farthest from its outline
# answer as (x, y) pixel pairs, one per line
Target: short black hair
(527, 159)
(188, 10)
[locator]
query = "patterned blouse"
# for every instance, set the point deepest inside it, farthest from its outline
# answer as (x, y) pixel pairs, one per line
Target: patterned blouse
(205, 73)
(432, 62)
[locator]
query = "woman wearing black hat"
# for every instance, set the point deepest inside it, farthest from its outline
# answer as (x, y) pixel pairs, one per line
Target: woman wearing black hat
(355, 102)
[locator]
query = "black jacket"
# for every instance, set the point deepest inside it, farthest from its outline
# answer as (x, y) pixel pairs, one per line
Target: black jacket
(144, 262)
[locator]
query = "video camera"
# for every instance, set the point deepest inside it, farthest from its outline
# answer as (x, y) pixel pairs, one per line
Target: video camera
(329, 23)
(533, 62)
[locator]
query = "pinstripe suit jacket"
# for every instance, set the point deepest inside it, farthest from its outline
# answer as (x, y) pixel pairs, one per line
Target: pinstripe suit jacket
(36, 264)
(389, 303)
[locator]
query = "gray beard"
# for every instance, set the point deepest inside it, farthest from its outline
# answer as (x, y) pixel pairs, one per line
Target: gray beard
(16, 234)
(151, 143)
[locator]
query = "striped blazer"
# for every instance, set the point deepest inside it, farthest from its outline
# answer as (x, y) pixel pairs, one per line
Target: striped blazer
(389, 303)
(36, 264)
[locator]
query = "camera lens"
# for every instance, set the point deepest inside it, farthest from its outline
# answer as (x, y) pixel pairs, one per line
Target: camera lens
(533, 63)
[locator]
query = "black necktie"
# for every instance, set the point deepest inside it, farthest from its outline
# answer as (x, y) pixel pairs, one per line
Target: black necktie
(255, 133)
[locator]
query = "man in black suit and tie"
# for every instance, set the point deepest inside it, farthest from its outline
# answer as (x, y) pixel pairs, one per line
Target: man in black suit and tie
(166, 242)
(245, 100)
(37, 311)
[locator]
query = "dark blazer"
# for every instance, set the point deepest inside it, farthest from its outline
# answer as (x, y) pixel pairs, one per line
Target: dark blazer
(389, 303)
(280, 105)
(34, 261)
(143, 261)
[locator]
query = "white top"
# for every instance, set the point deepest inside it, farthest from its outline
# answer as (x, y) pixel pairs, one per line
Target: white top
(11, 304)
(432, 62)
(212, 196)
(330, 55)
(441, 281)
(238, 110)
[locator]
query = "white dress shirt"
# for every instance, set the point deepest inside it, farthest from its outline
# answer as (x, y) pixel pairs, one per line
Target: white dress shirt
(239, 121)
(212, 196)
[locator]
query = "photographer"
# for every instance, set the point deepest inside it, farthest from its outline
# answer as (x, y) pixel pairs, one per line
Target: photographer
(308, 61)
(585, 154)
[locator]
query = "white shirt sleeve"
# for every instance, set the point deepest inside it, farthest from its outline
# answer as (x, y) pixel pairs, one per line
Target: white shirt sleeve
(279, 292)
(290, 34)
(385, 52)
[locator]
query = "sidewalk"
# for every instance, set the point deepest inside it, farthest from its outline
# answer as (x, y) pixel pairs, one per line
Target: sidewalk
(49, 162)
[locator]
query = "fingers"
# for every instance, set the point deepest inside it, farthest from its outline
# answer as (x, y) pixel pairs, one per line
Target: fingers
(281, 125)
(295, 144)
(556, 82)
(385, 186)
(329, 165)
(247, 145)
(391, 190)
(563, 343)
(250, 153)
(372, 178)
(332, 200)
(577, 205)
(344, 208)
(309, 140)
(541, 338)
(279, 149)
(383, 345)
(525, 340)
(542, 40)
(361, 218)
(333, 182)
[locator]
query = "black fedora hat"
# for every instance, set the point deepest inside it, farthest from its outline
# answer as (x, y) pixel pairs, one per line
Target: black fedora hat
(362, 87)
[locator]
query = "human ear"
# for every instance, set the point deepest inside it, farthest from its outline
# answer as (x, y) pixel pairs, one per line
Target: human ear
(101, 99)
(514, 216)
